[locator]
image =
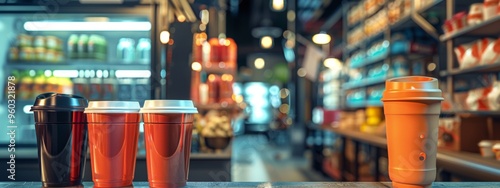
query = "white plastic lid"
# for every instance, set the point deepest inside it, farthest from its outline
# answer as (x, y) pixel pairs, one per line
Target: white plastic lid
(169, 107)
(113, 107)
(485, 143)
(496, 146)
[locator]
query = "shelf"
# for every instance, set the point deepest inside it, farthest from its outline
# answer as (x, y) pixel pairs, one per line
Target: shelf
(477, 69)
(77, 65)
(476, 113)
(437, 5)
(365, 83)
(364, 104)
(468, 164)
(353, 47)
(371, 61)
(403, 23)
(217, 107)
(484, 29)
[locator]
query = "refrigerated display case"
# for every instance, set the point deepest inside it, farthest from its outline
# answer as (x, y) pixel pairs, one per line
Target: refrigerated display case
(101, 52)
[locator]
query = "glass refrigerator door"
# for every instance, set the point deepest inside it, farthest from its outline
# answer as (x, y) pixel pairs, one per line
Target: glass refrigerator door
(100, 56)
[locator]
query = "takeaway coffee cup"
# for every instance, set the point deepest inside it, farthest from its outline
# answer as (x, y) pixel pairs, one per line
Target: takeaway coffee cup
(168, 127)
(113, 136)
(412, 106)
(61, 132)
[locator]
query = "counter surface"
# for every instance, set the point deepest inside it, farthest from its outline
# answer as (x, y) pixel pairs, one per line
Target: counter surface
(283, 184)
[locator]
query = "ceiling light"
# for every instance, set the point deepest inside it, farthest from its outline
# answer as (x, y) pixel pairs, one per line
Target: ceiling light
(259, 63)
(301, 72)
(164, 37)
(277, 5)
(266, 42)
(86, 26)
(321, 38)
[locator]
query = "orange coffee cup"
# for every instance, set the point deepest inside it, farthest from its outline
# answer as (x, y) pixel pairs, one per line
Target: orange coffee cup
(168, 128)
(113, 135)
(412, 106)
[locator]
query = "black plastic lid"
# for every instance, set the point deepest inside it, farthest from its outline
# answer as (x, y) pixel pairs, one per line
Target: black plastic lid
(57, 101)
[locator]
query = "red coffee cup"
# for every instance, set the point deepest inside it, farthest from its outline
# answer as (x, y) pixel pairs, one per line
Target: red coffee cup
(168, 127)
(113, 135)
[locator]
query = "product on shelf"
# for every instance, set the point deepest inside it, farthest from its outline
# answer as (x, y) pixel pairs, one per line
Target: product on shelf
(475, 15)
(217, 125)
(477, 99)
(447, 133)
(125, 50)
(87, 47)
(469, 55)
(373, 5)
(418, 4)
(357, 59)
(457, 22)
(355, 36)
(486, 148)
(379, 71)
(398, 9)
(356, 97)
(496, 150)
(490, 9)
(494, 97)
(356, 14)
(492, 53)
(374, 118)
(375, 93)
(376, 24)
(143, 50)
(39, 48)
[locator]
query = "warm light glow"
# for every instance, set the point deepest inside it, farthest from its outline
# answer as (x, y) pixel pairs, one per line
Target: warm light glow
(333, 63)
(164, 37)
(196, 66)
(238, 98)
(181, 18)
(321, 38)
(87, 26)
(301, 72)
(259, 63)
(284, 108)
(278, 5)
(65, 73)
(431, 67)
(133, 74)
(211, 77)
(290, 15)
(227, 77)
(204, 16)
(266, 42)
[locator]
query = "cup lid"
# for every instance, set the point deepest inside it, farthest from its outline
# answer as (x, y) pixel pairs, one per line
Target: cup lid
(496, 146)
(169, 106)
(58, 101)
(412, 88)
(113, 107)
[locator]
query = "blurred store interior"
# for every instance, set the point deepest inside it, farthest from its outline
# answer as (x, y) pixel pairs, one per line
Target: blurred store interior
(287, 90)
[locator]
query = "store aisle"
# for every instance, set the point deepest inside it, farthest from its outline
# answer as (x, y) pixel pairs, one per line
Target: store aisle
(257, 160)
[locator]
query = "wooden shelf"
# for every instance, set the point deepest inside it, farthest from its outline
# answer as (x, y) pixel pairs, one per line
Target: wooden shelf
(78, 65)
(484, 29)
(464, 163)
(477, 69)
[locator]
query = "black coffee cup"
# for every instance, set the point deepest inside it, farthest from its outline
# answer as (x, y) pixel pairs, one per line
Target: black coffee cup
(61, 131)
